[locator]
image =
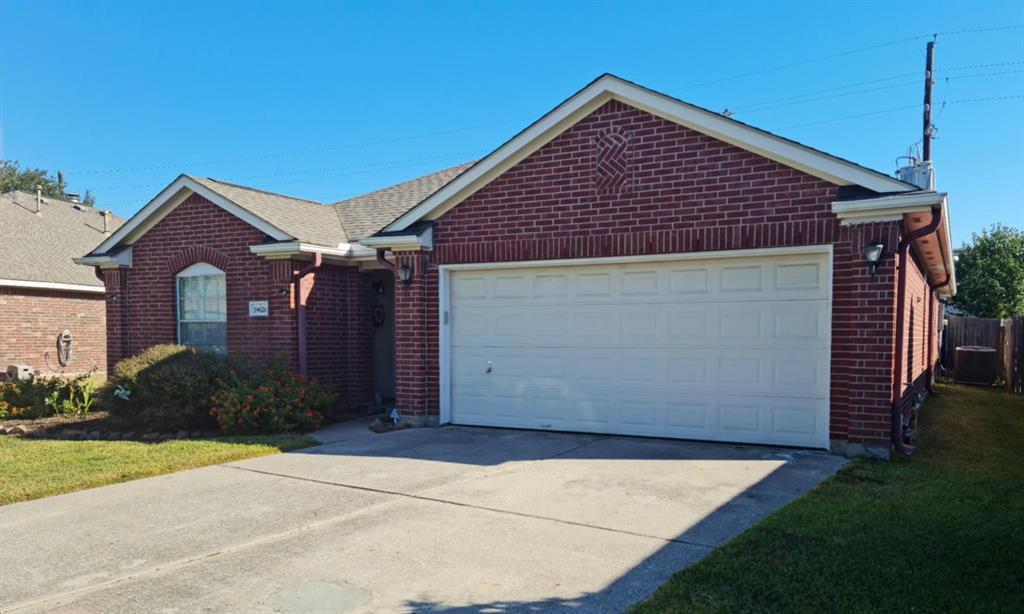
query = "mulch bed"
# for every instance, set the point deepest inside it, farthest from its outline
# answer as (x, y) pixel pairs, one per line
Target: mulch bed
(96, 426)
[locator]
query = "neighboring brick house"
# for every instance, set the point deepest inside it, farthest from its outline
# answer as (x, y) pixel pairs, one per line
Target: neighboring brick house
(628, 264)
(43, 294)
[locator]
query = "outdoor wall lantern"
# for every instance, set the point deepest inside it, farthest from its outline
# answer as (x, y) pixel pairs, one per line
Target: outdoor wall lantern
(405, 274)
(873, 254)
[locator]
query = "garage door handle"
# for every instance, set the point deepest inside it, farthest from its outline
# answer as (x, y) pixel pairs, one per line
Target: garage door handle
(488, 366)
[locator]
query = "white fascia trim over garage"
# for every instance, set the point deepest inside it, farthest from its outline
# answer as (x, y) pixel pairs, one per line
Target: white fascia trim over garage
(48, 285)
(609, 87)
(168, 200)
(895, 208)
(886, 208)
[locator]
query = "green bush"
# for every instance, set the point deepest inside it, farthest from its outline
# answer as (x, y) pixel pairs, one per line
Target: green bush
(273, 399)
(166, 388)
(41, 396)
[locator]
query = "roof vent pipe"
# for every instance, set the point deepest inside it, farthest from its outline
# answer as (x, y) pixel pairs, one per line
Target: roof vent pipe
(106, 222)
(73, 197)
(39, 199)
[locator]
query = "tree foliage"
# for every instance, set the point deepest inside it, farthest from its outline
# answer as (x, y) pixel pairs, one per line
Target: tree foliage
(990, 274)
(13, 177)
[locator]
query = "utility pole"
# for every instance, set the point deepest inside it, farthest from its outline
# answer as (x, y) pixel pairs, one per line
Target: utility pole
(927, 137)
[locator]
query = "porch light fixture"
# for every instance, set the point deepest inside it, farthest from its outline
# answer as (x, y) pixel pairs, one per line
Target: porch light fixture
(873, 254)
(405, 274)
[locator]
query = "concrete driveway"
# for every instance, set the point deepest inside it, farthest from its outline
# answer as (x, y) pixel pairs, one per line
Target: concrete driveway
(452, 519)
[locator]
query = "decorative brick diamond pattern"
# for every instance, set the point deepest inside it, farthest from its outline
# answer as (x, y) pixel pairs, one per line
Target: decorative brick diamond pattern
(611, 163)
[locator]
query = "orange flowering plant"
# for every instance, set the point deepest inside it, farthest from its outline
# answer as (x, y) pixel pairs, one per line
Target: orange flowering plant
(254, 399)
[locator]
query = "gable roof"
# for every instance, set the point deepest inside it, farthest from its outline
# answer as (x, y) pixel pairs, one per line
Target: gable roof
(609, 87)
(37, 249)
(368, 213)
(286, 218)
(304, 220)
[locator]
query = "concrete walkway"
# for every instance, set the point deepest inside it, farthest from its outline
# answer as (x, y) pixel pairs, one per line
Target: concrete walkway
(452, 519)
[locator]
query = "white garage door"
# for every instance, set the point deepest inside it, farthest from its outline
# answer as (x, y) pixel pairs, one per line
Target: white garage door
(727, 349)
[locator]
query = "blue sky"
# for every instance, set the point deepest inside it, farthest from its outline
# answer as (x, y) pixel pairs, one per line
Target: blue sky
(328, 100)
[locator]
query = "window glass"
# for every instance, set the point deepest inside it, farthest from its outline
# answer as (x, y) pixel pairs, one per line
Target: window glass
(202, 309)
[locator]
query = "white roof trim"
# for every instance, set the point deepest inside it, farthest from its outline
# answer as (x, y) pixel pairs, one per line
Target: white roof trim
(423, 241)
(609, 87)
(48, 285)
(296, 248)
(168, 199)
(121, 259)
(885, 208)
(894, 208)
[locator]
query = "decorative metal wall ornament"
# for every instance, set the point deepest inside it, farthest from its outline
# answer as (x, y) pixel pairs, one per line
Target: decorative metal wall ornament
(64, 351)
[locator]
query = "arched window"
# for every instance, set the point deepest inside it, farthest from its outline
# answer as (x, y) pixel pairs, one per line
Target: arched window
(202, 308)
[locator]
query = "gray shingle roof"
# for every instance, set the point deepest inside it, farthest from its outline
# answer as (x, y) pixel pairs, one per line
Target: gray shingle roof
(306, 220)
(40, 247)
(364, 215)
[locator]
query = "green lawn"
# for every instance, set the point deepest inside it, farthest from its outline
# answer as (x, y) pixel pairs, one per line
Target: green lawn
(942, 531)
(34, 468)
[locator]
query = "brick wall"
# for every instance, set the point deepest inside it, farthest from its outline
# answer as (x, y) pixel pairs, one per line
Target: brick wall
(198, 231)
(339, 332)
(30, 321)
(919, 306)
(141, 307)
(681, 191)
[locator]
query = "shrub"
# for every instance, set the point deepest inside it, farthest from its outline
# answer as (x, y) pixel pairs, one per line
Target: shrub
(166, 388)
(41, 396)
(273, 399)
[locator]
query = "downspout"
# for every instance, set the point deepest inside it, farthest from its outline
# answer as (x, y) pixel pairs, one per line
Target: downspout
(384, 262)
(932, 320)
(901, 298)
(300, 308)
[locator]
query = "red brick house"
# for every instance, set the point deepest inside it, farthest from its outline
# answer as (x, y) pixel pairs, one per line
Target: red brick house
(627, 264)
(45, 298)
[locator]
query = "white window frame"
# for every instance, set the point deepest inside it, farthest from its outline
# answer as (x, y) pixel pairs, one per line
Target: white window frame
(199, 269)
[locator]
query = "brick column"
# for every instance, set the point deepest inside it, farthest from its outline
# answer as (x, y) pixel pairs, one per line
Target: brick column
(412, 340)
(863, 347)
(115, 282)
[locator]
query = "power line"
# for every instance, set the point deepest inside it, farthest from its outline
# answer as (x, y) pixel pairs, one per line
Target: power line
(307, 172)
(903, 108)
(988, 99)
(365, 171)
(764, 107)
(846, 53)
(176, 165)
(836, 119)
(503, 122)
(883, 79)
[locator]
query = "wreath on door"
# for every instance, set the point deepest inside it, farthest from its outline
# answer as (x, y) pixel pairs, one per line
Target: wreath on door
(378, 315)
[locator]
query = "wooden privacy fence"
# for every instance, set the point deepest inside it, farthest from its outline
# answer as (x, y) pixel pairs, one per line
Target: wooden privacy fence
(961, 330)
(1013, 354)
(1006, 336)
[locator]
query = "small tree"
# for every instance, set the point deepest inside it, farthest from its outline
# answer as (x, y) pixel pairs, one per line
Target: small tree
(14, 178)
(990, 274)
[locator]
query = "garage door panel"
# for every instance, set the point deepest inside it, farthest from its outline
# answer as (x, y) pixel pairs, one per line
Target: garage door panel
(744, 371)
(786, 325)
(730, 349)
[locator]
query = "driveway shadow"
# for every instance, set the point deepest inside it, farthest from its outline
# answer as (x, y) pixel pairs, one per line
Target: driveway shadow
(693, 496)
